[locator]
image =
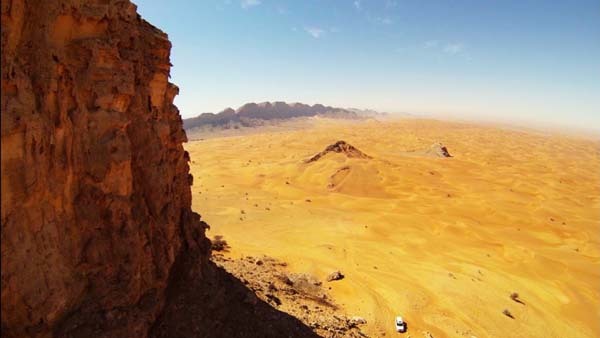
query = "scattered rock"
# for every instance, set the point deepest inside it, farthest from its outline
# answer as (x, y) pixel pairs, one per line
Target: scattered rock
(356, 320)
(286, 280)
(273, 299)
(336, 275)
(300, 295)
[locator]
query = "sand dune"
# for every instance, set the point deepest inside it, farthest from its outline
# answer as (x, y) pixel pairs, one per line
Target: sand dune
(441, 241)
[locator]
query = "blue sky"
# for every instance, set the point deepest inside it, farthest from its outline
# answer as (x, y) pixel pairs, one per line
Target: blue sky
(523, 61)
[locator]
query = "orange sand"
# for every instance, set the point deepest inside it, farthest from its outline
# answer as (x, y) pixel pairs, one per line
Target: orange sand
(441, 241)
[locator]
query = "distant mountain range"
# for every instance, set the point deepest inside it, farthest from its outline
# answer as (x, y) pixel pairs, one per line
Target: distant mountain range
(253, 114)
(367, 112)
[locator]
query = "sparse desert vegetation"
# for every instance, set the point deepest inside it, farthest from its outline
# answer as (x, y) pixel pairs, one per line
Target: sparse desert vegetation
(219, 244)
(507, 313)
(515, 296)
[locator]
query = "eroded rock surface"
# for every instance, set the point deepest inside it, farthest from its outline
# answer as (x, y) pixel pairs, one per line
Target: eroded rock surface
(95, 183)
(341, 147)
(300, 295)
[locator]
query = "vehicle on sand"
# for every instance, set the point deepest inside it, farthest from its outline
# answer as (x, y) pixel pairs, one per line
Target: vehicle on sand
(400, 324)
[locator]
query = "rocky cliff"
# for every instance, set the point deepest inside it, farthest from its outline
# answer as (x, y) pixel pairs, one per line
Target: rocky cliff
(95, 184)
(98, 236)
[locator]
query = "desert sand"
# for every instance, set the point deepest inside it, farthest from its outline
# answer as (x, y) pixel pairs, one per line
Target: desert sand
(441, 241)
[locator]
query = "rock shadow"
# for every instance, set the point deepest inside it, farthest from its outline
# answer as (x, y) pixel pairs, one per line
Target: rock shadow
(213, 303)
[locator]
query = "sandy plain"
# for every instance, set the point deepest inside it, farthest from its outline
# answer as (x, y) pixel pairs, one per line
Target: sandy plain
(441, 241)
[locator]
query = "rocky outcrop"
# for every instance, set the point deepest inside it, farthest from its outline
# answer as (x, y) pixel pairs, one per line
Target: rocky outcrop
(95, 184)
(438, 150)
(341, 147)
(301, 295)
(251, 114)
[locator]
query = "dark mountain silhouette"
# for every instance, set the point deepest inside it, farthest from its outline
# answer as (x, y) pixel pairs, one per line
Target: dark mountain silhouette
(251, 114)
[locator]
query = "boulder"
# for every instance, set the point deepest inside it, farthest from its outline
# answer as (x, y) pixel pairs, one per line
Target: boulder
(336, 275)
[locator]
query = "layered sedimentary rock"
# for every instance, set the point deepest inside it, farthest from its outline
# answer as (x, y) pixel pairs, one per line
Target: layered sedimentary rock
(95, 183)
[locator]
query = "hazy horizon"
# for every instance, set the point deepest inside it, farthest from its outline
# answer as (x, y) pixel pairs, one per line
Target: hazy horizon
(507, 61)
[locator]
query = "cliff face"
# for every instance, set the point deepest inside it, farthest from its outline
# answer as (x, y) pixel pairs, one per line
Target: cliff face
(95, 183)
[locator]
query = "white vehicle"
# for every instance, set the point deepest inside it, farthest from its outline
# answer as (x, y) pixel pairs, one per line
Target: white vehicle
(400, 324)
